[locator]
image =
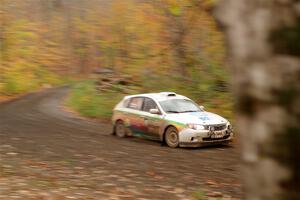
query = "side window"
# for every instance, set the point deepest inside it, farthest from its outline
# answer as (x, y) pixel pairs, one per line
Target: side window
(149, 104)
(125, 103)
(135, 103)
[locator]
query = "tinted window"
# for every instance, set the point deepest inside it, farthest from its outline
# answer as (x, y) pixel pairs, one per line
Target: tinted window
(149, 104)
(135, 103)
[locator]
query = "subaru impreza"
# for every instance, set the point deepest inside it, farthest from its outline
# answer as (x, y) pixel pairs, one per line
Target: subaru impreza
(170, 118)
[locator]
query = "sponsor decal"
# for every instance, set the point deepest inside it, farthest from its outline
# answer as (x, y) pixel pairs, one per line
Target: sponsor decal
(127, 122)
(204, 118)
(201, 115)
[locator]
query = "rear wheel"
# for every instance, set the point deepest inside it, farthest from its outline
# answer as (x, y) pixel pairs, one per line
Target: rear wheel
(171, 137)
(120, 129)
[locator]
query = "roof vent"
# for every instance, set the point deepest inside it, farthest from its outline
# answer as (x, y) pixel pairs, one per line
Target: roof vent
(169, 94)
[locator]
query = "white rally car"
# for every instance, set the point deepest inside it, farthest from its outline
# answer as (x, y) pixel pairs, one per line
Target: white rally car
(170, 118)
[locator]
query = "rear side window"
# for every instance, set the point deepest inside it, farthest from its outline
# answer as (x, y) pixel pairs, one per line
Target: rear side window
(135, 103)
(149, 104)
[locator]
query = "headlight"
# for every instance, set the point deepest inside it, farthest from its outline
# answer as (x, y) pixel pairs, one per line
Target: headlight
(196, 126)
(229, 127)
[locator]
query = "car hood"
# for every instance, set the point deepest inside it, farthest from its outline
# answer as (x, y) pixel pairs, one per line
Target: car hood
(203, 118)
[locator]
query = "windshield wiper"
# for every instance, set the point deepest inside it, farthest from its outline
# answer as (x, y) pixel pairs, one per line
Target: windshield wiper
(190, 111)
(172, 111)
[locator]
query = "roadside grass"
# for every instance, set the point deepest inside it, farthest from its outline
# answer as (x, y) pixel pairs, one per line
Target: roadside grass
(199, 195)
(19, 81)
(14, 83)
(85, 100)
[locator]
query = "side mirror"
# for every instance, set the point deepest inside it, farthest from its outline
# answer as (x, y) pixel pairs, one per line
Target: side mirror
(154, 111)
(202, 108)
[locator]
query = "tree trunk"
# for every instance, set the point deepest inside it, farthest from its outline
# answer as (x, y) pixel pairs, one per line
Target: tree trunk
(263, 39)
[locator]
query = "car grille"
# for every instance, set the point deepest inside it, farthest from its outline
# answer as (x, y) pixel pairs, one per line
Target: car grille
(218, 127)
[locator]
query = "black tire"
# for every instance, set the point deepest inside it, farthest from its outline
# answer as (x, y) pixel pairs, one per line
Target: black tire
(171, 137)
(120, 129)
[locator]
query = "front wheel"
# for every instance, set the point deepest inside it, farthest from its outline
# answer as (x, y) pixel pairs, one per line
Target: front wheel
(120, 129)
(171, 137)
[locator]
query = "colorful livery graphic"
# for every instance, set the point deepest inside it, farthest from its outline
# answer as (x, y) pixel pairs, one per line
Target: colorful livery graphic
(170, 118)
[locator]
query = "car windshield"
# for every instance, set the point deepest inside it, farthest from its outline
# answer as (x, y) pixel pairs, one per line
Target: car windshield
(179, 106)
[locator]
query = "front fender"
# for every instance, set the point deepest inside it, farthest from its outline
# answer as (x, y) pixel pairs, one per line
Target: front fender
(177, 125)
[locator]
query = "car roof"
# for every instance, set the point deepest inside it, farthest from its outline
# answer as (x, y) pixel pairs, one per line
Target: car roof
(161, 96)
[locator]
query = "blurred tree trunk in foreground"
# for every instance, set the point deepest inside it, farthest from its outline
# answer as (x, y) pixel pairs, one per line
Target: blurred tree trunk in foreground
(263, 38)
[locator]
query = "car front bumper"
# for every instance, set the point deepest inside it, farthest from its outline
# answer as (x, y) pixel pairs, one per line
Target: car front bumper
(198, 138)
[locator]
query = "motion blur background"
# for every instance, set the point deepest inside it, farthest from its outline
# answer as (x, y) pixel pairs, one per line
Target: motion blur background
(110, 48)
(106, 49)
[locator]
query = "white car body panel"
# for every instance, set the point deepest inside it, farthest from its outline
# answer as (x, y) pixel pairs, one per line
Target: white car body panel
(159, 123)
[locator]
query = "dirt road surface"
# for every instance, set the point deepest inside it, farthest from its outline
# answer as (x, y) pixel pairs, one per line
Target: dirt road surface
(49, 154)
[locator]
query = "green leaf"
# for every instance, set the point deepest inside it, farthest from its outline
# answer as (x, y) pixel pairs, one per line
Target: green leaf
(175, 10)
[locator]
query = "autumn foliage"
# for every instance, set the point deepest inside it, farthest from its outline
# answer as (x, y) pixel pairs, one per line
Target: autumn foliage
(163, 44)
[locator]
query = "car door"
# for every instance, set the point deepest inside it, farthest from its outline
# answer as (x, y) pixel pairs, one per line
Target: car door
(135, 119)
(153, 122)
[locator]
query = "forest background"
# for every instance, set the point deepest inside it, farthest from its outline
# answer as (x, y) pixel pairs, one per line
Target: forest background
(160, 45)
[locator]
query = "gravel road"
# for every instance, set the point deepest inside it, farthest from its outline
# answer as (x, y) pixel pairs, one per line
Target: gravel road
(48, 153)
